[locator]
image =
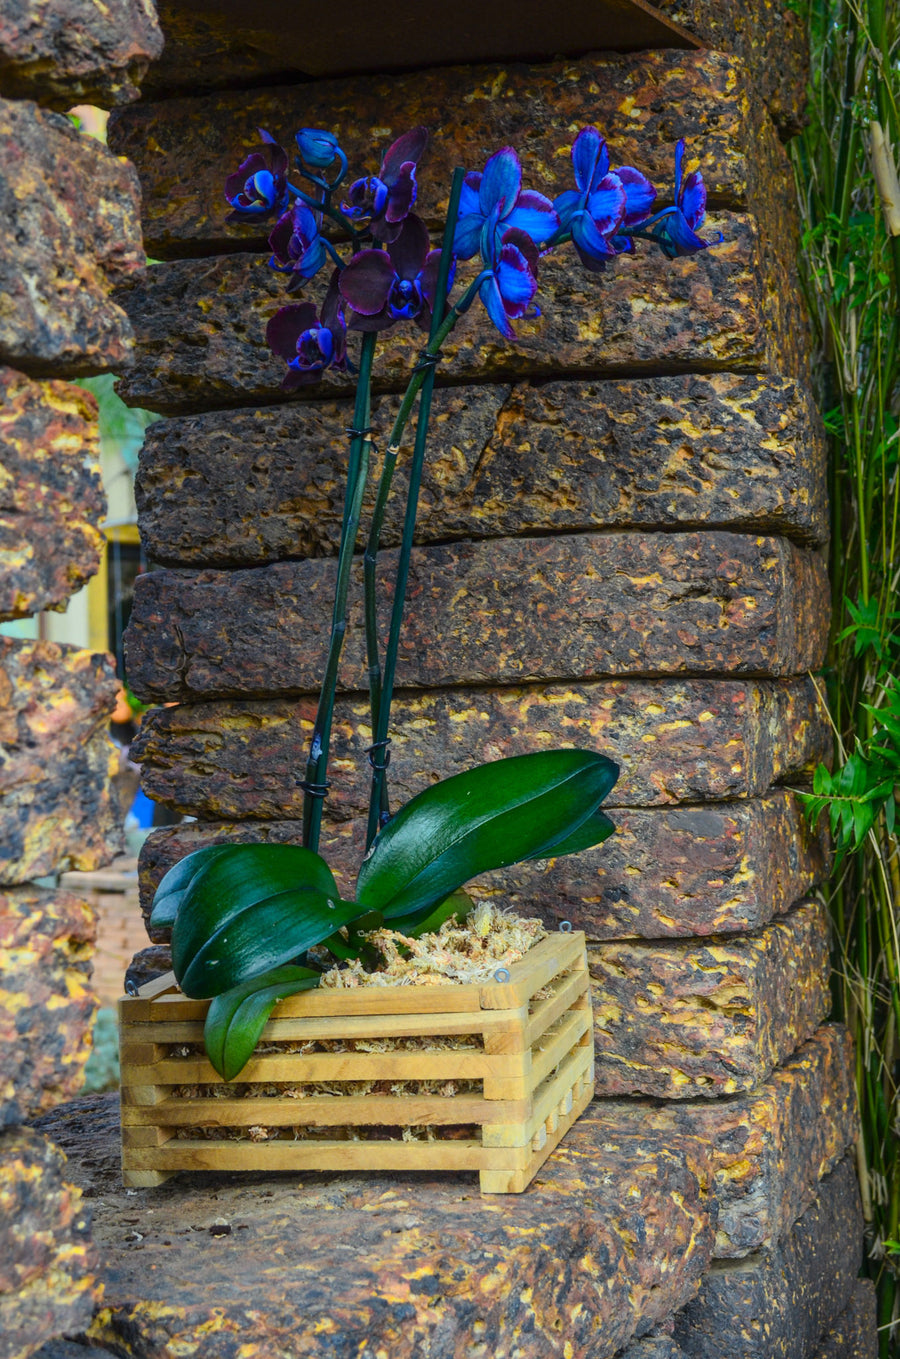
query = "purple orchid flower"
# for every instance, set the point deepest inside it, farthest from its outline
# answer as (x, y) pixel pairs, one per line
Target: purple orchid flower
(605, 203)
(297, 247)
(259, 187)
(395, 284)
(387, 198)
(497, 194)
(307, 341)
(510, 289)
(675, 229)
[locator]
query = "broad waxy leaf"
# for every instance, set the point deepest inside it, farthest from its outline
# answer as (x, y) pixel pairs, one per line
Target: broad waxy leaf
(431, 918)
(488, 817)
(249, 910)
(591, 832)
(236, 1019)
(354, 946)
(167, 897)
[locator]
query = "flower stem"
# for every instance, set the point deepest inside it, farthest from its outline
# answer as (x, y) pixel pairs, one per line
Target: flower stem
(381, 691)
(357, 472)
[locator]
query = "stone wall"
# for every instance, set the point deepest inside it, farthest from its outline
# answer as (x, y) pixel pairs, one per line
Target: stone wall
(647, 467)
(69, 231)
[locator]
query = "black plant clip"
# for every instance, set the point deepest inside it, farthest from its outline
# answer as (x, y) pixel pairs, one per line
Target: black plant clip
(386, 754)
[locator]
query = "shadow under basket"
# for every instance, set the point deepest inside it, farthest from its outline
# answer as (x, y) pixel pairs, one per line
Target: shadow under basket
(513, 1060)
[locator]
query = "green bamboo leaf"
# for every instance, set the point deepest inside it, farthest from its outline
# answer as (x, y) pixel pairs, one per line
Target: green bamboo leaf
(488, 817)
(251, 910)
(167, 897)
(236, 1019)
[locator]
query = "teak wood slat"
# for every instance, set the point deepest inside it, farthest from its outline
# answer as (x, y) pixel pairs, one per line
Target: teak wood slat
(528, 1066)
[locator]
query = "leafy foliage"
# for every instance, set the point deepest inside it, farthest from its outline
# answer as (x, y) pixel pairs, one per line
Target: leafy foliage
(851, 270)
(488, 817)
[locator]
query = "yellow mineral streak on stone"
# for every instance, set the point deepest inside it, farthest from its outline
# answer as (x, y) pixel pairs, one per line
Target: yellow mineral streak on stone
(706, 716)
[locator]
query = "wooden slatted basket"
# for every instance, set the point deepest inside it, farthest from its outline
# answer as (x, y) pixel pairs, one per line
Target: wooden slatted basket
(527, 1050)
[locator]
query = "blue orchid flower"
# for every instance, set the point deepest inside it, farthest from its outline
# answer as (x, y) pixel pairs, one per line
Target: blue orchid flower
(387, 198)
(297, 247)
(605, 203)
(510, 284)
(318, 149)
(497, 195)
(674, 229)
(308, 341)
(259, 187)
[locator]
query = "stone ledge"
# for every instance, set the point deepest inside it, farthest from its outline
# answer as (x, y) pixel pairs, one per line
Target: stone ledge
(69, 229)
(46, 1003)
(675, 741)
(855, 1333)
(48, 1264)
(678, 1020)
(667, 873)
(779, 1303)
(711, 450)
(57, 806)
(769, 1148)
(51, 500)
(200, 326)
(422, 1261)
(184, 148)
(511, 611)
(67, 52)
(768, 38)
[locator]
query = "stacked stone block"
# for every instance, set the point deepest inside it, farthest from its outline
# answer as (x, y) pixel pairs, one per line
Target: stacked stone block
(69, 231)
(620, 545)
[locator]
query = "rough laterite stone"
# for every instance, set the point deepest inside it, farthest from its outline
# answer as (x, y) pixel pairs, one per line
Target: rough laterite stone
(855, 1333)
(714, 450)
(769, 38)
(48, 1264)
(675, 741)
(57, 808)
(769, 1148)
(69, 230)
(67, 52)
(665, 874)
(200, 326)
(51, 495)
(46, 1004)
(614, 604)
(779, 1303)
(597, 1250)
(710, 1018)
(183, 149)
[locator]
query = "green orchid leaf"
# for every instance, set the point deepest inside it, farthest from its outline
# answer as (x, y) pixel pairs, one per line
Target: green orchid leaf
(491, 816)
(354, 945)
(167, 897)
(250, 910)
(236, 1019)
(591, 832)
(429, 921)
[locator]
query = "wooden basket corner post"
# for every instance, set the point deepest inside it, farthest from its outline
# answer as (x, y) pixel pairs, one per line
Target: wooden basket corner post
(522, 1049)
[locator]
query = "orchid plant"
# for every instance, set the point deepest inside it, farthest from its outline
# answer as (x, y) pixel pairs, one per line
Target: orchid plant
(252, 924)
